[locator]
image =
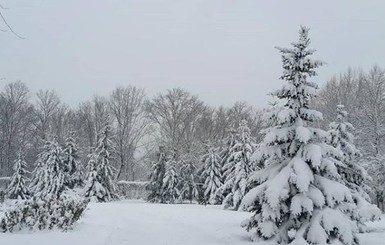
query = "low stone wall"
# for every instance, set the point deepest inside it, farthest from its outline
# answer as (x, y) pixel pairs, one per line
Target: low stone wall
(132, 189)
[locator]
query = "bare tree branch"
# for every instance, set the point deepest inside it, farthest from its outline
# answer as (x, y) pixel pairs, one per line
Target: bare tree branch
(7, 24)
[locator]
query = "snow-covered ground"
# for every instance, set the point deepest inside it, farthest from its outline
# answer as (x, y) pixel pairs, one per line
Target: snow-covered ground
(139, 223)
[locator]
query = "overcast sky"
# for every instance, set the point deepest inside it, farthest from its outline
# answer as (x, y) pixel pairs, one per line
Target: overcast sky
(222, 50)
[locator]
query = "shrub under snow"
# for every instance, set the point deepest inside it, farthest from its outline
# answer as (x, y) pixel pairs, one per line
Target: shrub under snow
(38, 214)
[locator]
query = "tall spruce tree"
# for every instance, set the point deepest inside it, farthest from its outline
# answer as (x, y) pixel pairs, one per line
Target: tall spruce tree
(238, 168)
(72, 167)
(48, 176)
(353, 175)
(211, 175)
(228, 144)
(158, 170)
(300, 197)
(100, 184)
(17, 188)
(226, 169)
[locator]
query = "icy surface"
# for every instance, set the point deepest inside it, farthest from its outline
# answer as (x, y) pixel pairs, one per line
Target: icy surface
(136, 222)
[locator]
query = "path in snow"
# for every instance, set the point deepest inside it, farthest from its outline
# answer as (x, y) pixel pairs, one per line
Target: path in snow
(139, 223)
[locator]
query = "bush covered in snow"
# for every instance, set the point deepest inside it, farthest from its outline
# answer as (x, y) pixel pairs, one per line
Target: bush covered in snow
(38, 214)
(17, 188)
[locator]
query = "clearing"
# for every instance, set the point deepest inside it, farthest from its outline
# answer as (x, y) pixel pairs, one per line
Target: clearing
(140, 223)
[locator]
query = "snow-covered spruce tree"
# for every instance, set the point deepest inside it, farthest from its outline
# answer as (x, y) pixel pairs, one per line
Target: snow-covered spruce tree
(48, 176)
(301, 198)
(353, 175)
(100, 185)
(188, 185)
(158, 170)
(17, 188)
(211, 175)
(238, 168)
(226, 169)
(72, 167)
(171, 182)
(228, 144)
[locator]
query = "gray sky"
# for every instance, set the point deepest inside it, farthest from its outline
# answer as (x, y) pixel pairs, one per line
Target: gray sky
(222, 50)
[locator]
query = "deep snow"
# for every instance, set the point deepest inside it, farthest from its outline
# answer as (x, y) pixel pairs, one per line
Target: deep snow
(140, 223)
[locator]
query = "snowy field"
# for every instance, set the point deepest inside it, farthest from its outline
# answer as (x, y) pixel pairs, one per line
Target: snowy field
(139, 223)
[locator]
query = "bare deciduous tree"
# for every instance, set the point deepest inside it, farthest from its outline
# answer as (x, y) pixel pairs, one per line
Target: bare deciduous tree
(15, 117)
(47, 105)
(176, 113)
(131, 123)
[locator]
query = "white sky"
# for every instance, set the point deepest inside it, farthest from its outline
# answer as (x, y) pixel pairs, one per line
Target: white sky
(222, 50)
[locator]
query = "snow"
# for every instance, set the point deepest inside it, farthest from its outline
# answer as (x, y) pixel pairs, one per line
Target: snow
(137, 222)
(376, 234)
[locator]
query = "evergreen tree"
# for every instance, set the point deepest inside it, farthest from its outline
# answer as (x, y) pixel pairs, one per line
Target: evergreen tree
(238, 168)
(300, 197)
(72, 167)
(48, 176)
(189, 188)
(211, 175)
(158, 171)
(17, 188)
(353, 175)
(100, 184)
(226, 169)
(171, 182)
(229, 143)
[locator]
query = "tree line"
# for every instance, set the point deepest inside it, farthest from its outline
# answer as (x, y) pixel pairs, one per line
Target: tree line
(179, 122)
(139, 125)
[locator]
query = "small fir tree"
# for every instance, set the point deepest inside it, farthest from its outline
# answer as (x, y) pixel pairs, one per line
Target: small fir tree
(238, 168)
(100, 184)
(171, 182)
(226, 169)
(49, 176)
(226, 148)
(17, 188)
(211, 175)
(158, 170)
(189, 188)
(354, 176)
(73, 171)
